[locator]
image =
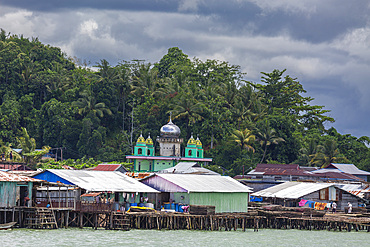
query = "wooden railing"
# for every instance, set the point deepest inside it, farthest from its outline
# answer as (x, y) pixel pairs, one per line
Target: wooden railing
(93, 207)
(82, 206)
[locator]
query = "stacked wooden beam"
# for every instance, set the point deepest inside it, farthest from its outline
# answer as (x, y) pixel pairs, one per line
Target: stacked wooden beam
(202, 210)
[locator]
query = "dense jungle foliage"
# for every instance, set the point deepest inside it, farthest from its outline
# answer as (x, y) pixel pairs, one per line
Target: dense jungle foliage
(50, 100)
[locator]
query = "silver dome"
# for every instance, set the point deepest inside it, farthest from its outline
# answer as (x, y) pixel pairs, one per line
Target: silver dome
(170, 130)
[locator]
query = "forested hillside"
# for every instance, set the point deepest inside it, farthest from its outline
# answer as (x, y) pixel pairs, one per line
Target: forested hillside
(99, 112)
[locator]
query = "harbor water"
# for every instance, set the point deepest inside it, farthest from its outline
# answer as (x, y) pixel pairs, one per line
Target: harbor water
(106, 238)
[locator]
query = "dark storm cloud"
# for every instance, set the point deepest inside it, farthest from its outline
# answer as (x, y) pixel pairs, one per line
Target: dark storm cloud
(134, 5)
(325, 44)
(317, 23)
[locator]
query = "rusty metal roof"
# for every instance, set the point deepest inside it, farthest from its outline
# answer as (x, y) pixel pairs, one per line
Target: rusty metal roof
(91, 194)
(9, 177)
(108, 167)
(279, 169)
(357, 189)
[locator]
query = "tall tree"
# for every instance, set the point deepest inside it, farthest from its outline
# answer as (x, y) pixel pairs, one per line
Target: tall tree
(174, 64)
(244, 138)
(187, 108)
(87, 105)
(327, 154)
(267, 136)
(285, 95)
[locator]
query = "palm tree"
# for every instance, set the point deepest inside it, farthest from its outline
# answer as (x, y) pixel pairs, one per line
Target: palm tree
(28, 146)
(6, 148)
(87, 105)
(26, 143)
(327, 154)
(106, 72)
(188, 108)
(267, 136)
(123, 85)
(244, 138)
(146, 81)
(306, 153)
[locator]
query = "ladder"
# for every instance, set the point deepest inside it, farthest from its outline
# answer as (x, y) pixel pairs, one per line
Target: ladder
(120, 221)
(43, 218)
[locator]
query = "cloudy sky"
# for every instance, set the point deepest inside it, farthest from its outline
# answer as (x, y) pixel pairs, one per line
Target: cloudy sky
(324, 44)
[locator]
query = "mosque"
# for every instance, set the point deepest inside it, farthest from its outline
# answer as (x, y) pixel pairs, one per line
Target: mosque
(144, 158)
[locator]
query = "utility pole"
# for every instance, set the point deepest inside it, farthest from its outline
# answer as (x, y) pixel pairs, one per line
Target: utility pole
(212, 130)
(132, 125)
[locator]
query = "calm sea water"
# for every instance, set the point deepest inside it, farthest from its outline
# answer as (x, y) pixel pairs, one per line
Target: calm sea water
(265, 237)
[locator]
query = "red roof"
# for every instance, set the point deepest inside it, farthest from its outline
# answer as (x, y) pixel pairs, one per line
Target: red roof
(107, 167)
(278, 166)
(280, 169)
(14, 167)
(91, 194)
(9, 177)
(295, 170)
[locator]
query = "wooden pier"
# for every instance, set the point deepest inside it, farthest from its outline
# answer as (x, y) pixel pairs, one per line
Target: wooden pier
(228, 222)
(43, 218)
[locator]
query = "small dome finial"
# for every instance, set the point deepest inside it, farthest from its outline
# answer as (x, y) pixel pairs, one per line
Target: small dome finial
(170, 129)
(141, 138)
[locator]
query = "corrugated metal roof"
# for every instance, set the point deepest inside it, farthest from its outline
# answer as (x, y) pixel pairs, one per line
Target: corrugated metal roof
(9, 177)
(279, 169)
(356, 189)
(188, 168)
(91, 194)
(107, 167)
(14, 167)
(292, 190)
(335, 174)
(349, 168)
(102, 181)
(199, 183)
(279, 166)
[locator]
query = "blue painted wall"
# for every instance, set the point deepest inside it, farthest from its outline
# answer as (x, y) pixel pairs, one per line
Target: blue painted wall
(51, 177)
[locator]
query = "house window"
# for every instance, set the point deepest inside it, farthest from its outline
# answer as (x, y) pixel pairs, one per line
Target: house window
(324, 194)
(139, 151)
(189, 153)
(148, 152)
(338, 195)
(139, 166)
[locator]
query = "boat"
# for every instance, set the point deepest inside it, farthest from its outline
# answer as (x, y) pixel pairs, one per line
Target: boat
(7, 226)
(140, 209)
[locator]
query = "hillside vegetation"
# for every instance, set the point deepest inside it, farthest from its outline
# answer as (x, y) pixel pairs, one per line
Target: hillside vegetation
(100, 113)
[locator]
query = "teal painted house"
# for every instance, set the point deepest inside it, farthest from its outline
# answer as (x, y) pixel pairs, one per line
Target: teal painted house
(145, 160)
(14, 189)
(223, 192)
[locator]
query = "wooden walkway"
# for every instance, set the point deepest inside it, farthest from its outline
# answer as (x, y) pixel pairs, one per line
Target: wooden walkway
(58, 218)
(228, 222)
